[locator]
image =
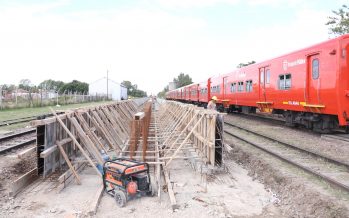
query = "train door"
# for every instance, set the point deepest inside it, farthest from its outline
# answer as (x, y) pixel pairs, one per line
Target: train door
(225, 88)
(208, 89)
(313, 80)
(262, 97)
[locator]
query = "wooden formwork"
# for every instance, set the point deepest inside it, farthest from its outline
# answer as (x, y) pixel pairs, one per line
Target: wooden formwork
(159, 134)
(82, 136)
(187, 126)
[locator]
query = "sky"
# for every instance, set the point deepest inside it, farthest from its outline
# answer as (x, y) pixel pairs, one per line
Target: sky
(149, 42)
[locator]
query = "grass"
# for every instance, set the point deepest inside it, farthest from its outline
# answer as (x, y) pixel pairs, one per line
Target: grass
(10, 114)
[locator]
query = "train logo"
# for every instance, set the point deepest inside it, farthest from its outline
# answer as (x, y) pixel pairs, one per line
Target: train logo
(284, 65)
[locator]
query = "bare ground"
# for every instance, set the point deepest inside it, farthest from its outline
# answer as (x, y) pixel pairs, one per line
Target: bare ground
(230, 193)
(10, 169)
(296, 194)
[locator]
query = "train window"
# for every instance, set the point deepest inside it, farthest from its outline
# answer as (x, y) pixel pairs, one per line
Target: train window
(218, 88)
(288, 81)
(233, 87)
(240, 86)
(267, 78)
(249, 86)
(285, 81)
(315, 68)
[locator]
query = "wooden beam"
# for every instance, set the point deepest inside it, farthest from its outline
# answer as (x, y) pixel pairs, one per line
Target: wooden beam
(87, 141)
(77, 143)
(23, 181)
(139, 115)
(47, 120)
(191, 132)
(26, 152)
(66, 178)
(170, 190)
(93, 206)
(69, 164)
(50, 150)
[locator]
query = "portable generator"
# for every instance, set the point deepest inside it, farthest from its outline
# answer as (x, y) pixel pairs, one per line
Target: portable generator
(125, 179)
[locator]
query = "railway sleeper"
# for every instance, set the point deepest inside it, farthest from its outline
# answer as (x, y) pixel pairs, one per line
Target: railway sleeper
(322, 123)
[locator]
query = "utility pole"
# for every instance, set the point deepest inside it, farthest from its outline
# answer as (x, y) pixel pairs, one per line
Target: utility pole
(107, 85)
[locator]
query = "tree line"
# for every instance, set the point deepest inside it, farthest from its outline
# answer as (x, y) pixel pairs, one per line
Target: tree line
(132, 90)
(61, 87)
(180, 81)
(49, 85)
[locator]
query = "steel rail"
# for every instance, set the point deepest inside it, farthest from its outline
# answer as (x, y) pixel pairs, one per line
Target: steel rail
(307, 169)
(331, 160)
(27, 142)
(17, 135)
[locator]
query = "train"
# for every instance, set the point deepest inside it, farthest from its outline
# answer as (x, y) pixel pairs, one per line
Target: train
(309, 87)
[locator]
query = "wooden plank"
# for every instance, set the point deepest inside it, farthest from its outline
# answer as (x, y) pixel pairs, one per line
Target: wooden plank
(26, 152)
(50, 150)
(93, 205)
(170, 190)
(139, 115)
(47, 120)
(23, 181)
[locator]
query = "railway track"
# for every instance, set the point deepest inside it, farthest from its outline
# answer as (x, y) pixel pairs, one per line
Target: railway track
(17, 140)
(332, 171)
(25, 119)
(15, 121)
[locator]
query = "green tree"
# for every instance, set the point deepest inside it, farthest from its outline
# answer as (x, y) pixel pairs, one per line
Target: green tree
(339, 22)
(245, 64)
(51, 85)
(8, 87)
(132, 90)
(163, 92)
(74, 86)
(25, 84)
(182, 80)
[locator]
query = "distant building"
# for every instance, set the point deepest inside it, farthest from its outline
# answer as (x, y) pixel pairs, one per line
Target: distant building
(171, 86)
(116, 91)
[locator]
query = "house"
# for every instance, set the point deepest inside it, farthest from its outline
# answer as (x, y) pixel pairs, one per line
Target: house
(115, 91)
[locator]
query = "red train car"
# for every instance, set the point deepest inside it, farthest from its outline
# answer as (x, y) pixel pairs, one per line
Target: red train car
(204, 93)
(216, 89)
(194, 93)
(310, 87)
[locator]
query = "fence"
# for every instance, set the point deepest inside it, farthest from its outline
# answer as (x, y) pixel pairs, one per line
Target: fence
(41, 99)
